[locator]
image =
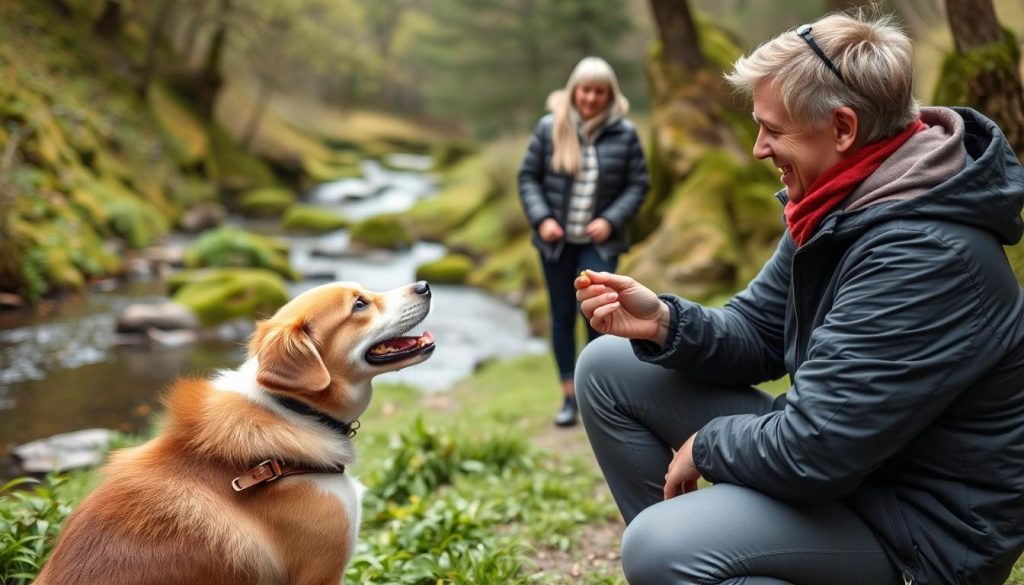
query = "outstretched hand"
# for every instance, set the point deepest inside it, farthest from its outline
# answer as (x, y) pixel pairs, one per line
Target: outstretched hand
(619, 305)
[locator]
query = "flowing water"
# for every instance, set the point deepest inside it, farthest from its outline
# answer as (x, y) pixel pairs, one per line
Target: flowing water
(61, 370)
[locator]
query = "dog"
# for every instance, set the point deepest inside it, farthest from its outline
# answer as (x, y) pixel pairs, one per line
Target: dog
(246, 482)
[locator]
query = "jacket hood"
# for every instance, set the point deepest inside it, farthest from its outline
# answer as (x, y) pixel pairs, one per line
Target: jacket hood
(987, 193)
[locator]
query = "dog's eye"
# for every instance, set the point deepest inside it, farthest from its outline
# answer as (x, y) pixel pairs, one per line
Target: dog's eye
(360, 304)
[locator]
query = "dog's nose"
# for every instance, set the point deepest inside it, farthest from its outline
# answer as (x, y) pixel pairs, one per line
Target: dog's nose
(422, 288)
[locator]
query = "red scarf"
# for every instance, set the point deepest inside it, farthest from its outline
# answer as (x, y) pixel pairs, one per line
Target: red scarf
(836, 183)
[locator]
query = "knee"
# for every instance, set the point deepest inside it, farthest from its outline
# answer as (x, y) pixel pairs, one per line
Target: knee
(649, 555)
(595, 366)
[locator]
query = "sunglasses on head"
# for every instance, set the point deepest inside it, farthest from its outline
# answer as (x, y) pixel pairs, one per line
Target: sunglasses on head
(804, 32)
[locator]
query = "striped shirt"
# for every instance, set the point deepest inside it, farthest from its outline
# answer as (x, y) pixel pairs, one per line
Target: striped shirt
(583, 197)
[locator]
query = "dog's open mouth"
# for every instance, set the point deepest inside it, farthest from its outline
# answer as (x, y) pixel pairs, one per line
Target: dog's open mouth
(400, 348)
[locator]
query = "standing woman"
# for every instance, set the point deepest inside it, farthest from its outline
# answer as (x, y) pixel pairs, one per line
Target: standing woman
(582, 179)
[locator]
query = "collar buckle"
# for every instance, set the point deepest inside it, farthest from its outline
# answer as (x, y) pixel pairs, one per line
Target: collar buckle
(265, 472)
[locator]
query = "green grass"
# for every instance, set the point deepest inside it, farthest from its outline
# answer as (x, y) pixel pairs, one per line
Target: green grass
(472, 485)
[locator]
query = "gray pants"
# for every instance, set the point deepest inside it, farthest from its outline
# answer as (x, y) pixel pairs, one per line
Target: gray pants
(634, 414)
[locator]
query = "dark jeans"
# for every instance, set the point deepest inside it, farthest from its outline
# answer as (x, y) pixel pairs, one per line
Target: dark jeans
(559, 275)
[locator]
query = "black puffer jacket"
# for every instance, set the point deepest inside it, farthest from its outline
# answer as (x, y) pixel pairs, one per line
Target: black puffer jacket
(901, 328)
(621, 185)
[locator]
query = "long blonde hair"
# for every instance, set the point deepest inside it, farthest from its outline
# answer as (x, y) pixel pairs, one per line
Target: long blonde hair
(565, 157)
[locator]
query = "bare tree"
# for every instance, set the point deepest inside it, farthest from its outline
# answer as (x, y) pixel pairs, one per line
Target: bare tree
(110, 20)
(678, 33)
(994, 88)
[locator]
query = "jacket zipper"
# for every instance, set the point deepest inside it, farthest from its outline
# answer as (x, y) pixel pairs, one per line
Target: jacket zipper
(908, 579)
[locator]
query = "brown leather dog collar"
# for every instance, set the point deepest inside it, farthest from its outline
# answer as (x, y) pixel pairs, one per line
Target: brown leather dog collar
(273, 469)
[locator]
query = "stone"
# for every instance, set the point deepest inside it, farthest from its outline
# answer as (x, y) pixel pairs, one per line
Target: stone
(202, 216)
(140, 318)
(65, 451)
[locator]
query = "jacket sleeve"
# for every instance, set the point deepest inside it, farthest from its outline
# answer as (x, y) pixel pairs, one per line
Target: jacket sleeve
(899, 344)
(531, 178)
(739, 344)
(628, 202)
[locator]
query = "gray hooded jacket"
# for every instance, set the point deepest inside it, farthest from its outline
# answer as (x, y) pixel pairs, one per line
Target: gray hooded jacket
(900, 325)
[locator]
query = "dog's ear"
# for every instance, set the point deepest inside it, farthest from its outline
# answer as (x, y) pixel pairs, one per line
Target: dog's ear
(289, 358)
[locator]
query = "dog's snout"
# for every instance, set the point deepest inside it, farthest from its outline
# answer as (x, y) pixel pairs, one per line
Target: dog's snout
(422, 288)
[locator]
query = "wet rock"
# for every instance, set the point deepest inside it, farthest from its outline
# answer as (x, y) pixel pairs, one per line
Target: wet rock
(172, 338)
(202, 216)
(140, 318)
(62, 452)
(10, 301)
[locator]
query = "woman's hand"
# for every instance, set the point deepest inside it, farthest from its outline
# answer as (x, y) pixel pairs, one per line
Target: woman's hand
(550, 230)
(621, 306)
(599, 230)
(682, 474)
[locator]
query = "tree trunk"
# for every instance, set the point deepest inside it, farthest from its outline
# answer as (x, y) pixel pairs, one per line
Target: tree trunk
(210, 78)
(109, 22)
(996, 88)
(156, 33)
(677, 33)
(253, 126)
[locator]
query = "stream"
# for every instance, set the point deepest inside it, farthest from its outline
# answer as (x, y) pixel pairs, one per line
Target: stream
(61, 369)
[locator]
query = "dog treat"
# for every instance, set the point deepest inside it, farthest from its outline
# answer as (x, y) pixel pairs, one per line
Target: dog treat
(585, 277)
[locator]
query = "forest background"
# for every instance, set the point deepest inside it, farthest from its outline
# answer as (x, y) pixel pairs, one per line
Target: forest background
(125, 121)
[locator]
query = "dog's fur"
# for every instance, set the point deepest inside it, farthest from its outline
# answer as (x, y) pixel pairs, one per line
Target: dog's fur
(166, 512)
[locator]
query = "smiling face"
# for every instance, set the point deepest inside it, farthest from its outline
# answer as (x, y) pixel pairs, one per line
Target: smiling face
(801, 153)
(591, 98)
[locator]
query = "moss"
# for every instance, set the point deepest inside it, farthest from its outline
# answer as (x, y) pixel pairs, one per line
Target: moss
(695, 251)
(383, 231)
(452, 269)
(267, 202)
(312, 219)
(511, 272)
(322, 171)
(958, 71)
(218, 295)
(229, 246)
(449, 152)
(182, 127)
(234, 168)
(466, 188)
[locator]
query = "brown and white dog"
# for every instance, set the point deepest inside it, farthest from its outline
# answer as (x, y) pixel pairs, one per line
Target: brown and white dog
(245, 484)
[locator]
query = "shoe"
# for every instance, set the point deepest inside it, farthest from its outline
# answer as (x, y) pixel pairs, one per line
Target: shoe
(567, 416)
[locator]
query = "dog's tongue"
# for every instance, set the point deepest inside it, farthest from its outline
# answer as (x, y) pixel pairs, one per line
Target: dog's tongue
(397, 344)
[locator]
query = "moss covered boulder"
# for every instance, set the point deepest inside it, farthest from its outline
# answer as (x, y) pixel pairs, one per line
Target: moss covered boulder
(698, 251)
(308, 218)
(383, 231)
(512, 272)
(230, 246)
(343, 166)
(221, 294)
(452, 269)
(267, 202)
(466, 188)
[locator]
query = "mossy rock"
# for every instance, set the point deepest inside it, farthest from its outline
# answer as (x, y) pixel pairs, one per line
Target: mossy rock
(511, 272)
(451, 269)
(307, 218)
(233, 167)
(466, 188)
(126, 215)
(230, 246)
(322, 171)
(490, 228)
(383, 231)
(268, 202)
(182, 127)
(449, 152)
(695, 252)
(222, 294)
